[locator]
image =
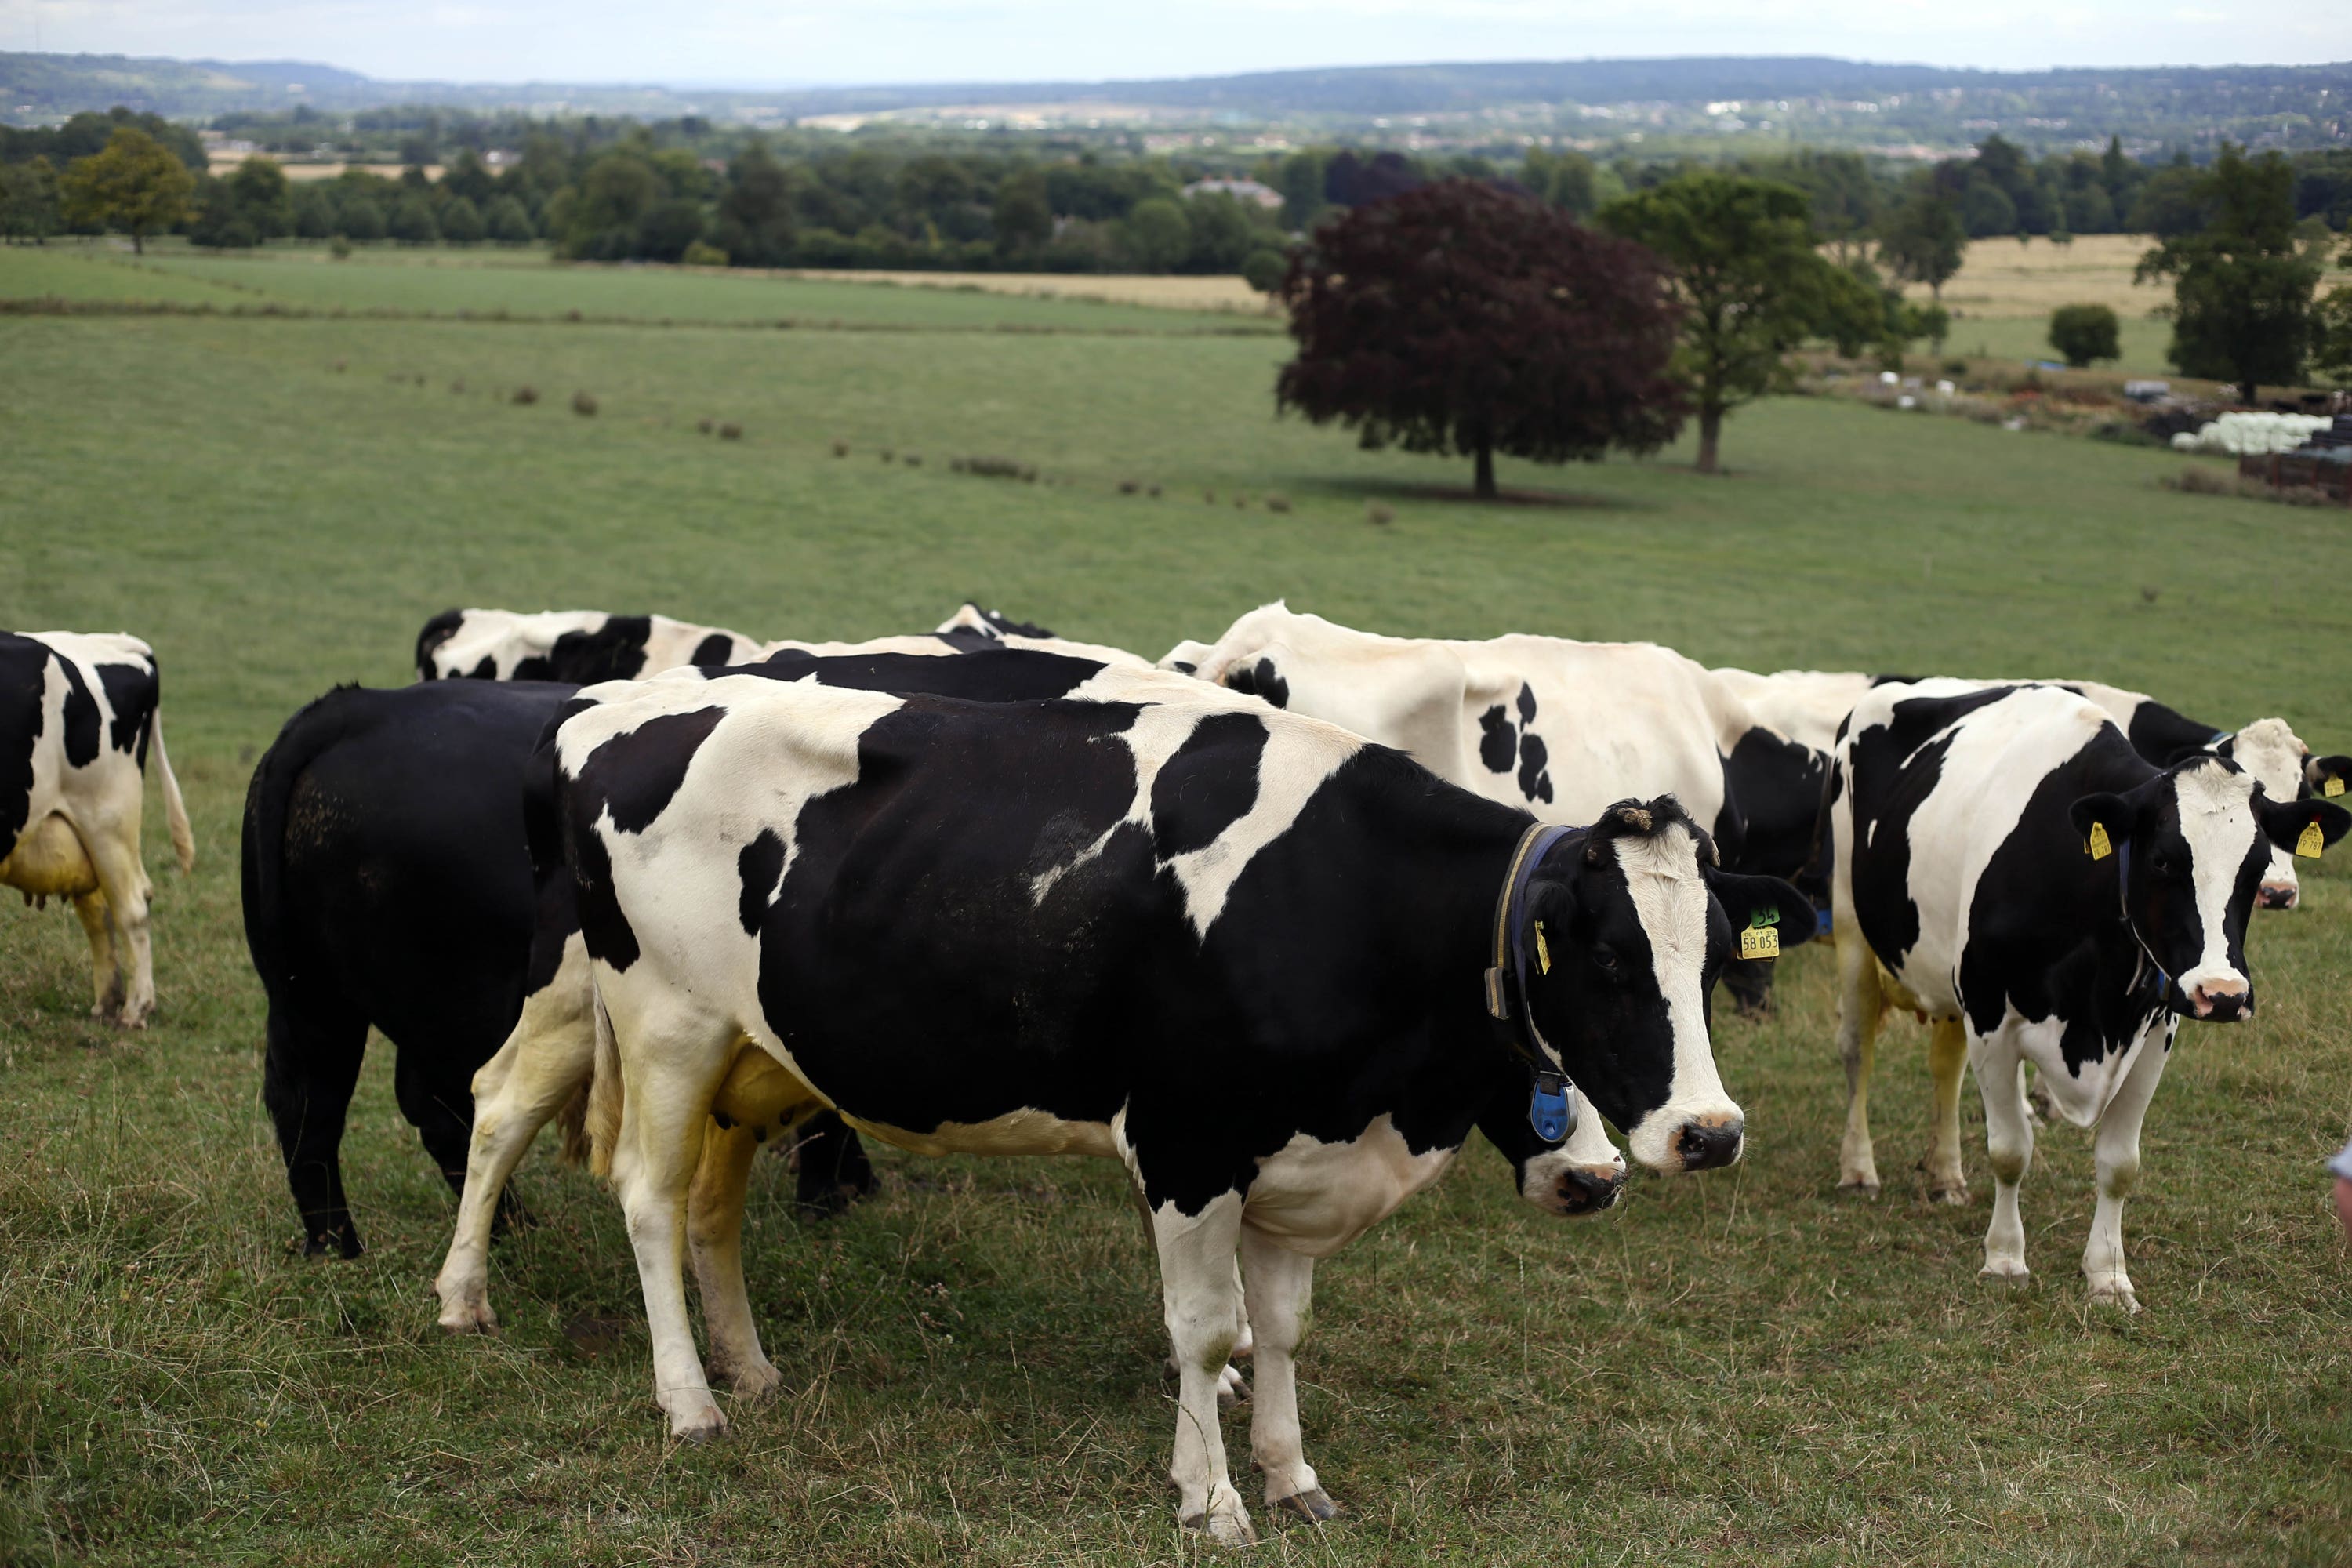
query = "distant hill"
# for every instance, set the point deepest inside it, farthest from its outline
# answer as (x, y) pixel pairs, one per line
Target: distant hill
(1814, 99)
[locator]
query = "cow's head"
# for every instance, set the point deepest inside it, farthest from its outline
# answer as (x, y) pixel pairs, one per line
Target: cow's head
(2190, 848)
(1636, 920)
(1583, 1175)
(2283, 766)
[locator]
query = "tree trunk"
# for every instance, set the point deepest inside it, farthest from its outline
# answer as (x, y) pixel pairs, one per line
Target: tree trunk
(1711, 437)
(138, 244)
(2246, 390)
(1484, 488)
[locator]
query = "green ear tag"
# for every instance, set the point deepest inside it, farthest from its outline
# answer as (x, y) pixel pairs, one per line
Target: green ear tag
(2310, 842)
(1543, 949)
(2100, 846)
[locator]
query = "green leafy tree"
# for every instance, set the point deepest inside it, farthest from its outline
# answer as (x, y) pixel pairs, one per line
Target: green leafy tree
(1222, 233)
(1457, 317)
(2081, 333)
(607, 209)
(1264, 269)
(1751, 281)
(461, 221)
(314, 212)
(2242, 285)
(412, 221)
(259, 191)
(1923, 240)
(28, 201)
(362, 216)
(1156, 235)
(2331, 351)
(508, 222)
(755, 213)
(1301, 184)
(2169, 204)
(1023, 219)
(134, 185)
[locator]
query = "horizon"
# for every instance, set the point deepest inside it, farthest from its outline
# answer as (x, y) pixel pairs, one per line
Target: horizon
(935, 43)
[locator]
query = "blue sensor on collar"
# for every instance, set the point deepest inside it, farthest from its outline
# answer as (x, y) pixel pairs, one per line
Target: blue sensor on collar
(1821, 921)
(1548, 1111)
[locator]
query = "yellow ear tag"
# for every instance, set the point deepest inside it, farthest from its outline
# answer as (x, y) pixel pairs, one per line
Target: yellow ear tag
(2333, 787)
(2310, 842)
(2100, 846)
(1543, 949)
(1760, 942)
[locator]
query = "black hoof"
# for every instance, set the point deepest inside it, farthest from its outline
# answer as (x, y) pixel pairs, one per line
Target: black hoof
(327, 1243)
(1314, 1507)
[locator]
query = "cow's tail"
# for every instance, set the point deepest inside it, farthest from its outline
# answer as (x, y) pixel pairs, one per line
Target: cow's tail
(606, 1095)
(175, 810)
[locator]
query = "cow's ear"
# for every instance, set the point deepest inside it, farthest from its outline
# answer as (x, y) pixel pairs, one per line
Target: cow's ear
(2289, 824)
(1767, 900)
(2110, 812)
(2327, 776)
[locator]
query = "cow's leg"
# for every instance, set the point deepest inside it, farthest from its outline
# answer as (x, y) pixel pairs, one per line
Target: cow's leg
(1203, 1311)
(2119, 1168)
(1281, 1283)
(670, 1070)
(1947, 1059)
(442, 1113)
(123, 882)
(1232, 1390)
(2008, 1141)
(1858, 1009)
(831, 1167)
(105, 964)
(306, 1076)
(714, 1228)
(551, 1053)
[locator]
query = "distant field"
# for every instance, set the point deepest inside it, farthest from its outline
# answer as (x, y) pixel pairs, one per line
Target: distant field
(1161, 292)
(487, 281)
(2003, 278)
(1741, 1367)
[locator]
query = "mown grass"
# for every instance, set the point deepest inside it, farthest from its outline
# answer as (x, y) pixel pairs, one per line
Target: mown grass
(1736, 1367)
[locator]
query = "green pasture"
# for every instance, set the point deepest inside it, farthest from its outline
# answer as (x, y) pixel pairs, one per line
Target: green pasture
(487, 281)
(1740, 1367)
(2143, 340)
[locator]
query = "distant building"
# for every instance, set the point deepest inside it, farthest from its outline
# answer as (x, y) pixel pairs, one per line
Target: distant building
(1240, 190)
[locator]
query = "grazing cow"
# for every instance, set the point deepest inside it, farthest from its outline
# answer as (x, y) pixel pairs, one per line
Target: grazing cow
(2007, 864)
(1043, 928)
(576, 646)
(78, 711)
(1560, 728)
(550, 1054)
(1806, 705)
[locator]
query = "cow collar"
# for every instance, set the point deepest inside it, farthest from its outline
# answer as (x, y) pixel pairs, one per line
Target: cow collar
(1552, 1109)
(2123, 907)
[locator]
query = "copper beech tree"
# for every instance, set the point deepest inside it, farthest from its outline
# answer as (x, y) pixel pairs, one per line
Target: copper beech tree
(1459, 316)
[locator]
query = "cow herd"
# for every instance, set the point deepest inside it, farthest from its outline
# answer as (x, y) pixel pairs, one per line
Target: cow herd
(988, 890)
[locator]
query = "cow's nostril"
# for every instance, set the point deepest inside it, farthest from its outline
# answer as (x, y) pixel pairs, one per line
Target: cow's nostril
(1704, 1146)
(2276, 899)
(1589, 1192)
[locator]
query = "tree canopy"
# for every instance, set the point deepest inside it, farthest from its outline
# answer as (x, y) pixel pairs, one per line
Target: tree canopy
(1752, 282)
(133, 183)
(2241, 283)
(1458, 317)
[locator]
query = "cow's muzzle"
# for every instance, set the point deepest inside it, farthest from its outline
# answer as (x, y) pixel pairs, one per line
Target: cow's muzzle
(2221, 1001)
(1705, 1144)
(1584, 1189)
(2277, 896)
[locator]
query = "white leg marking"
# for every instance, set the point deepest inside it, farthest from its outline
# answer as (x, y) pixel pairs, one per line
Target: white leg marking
(1281, 1284)
(2119, 1168)
(1858, 1005)
(2009, 1139)
(1203, 1309)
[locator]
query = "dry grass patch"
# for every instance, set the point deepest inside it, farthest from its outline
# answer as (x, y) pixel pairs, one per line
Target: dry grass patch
(2000, 277)
(1160, 293)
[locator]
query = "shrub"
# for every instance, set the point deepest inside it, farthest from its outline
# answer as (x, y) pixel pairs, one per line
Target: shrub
(339, 248)
(508, 222)
(2201, 482)
(461, 222)
(888, 455)
(913, 460)
(1129, 487)
(702, 254)
(1264, 269)
(840, 448)
(583, 403)
(526, 395)
(2081, 333)
(1153, 491)
(1379, 513)
(412, 222)
(1000, 469)
(1278, 503)
(731, 431)
(705, 424)
(342, 365)
(1956, 367)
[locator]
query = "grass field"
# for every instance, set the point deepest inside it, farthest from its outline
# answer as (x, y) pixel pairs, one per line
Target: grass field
(1737, 1367)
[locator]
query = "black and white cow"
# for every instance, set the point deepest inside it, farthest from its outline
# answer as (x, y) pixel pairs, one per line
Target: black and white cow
(1043, 928)
(576, 646)
(1557, 726)
(550, 1054)
(78, 712)
(2007, 864)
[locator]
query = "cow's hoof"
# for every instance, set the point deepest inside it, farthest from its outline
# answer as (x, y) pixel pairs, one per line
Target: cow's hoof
(696, 1422)
(1224, 1529)
(1854, 1187)
(2013, 1268)
(1231, 1390)
(750, 1384)
(328, 1243)
(1314, 1505)
(468, 1313)
(2116, 1293)
(1953, 1193)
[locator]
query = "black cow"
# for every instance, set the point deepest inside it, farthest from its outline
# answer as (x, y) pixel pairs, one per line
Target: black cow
(2007, 864)
(1258, 960)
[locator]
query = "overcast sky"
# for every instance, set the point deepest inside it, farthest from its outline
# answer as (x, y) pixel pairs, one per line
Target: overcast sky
(792, 41)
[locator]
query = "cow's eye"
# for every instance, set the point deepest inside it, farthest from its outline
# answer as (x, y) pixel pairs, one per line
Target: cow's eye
(2161, 862)
(1604, 958)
